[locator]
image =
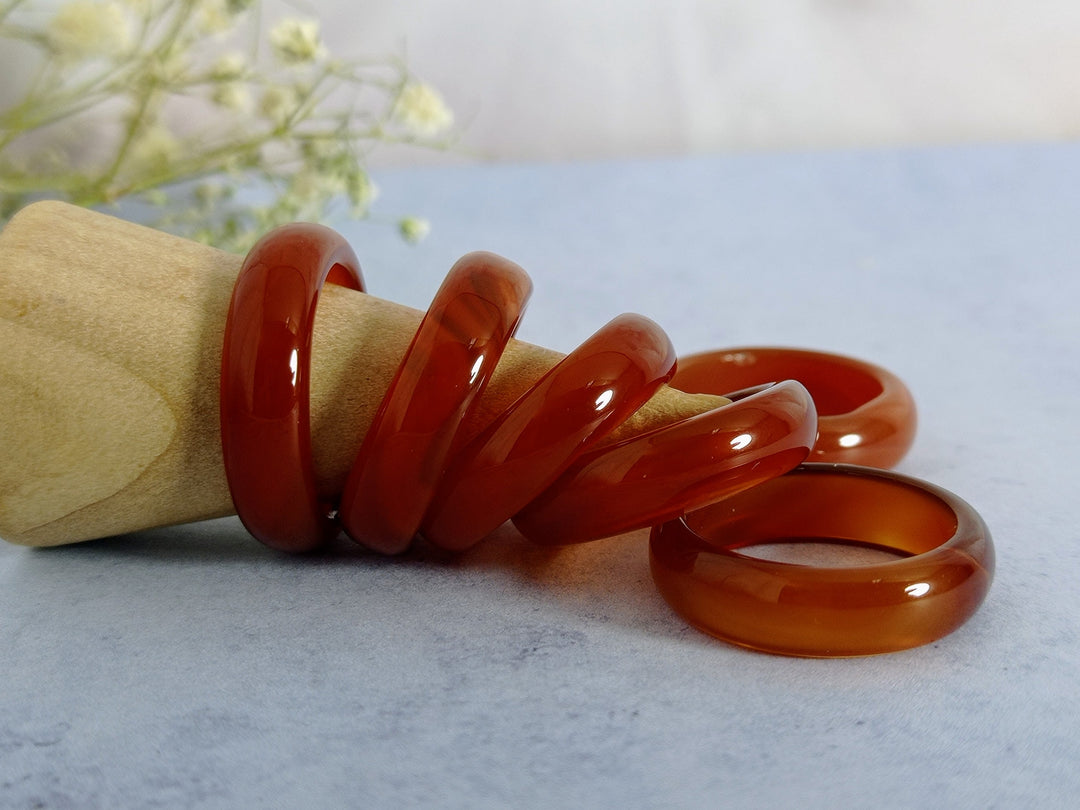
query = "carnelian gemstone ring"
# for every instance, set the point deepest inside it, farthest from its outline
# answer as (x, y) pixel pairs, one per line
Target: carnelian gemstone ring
(866, 414)
(265, 383)
(446, 367)
(659, 475)
(938, 583)
(583, 398)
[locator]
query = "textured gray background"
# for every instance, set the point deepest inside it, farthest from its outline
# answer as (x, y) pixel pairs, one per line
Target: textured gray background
(190, 667)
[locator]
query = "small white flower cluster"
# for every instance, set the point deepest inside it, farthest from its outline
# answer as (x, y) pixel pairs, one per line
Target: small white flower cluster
(278, 103)
(229, 67)
(297, 42)
(84, 29)
(154, 149)
(414, 229)
(422, 110)
(266, 123)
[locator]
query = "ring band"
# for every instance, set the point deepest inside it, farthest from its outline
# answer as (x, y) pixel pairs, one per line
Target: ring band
(446, 367)
(583, 398)
(827, 611)
(866, 415)
(265, 383)
(659, 475)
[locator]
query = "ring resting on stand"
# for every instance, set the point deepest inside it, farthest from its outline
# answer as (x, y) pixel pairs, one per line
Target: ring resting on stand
(266, 387)
(661, 474)
(717, 479)
(446, 367)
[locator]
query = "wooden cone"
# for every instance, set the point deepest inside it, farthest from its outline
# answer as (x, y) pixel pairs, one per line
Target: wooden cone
(111, 336)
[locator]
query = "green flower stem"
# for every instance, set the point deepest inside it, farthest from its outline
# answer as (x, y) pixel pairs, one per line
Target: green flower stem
(36, 116)
(207, 163)
(147, 90)
(7, 7)
(46, 100)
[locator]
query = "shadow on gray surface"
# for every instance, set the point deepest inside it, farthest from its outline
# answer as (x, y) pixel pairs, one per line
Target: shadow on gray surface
(606, 581)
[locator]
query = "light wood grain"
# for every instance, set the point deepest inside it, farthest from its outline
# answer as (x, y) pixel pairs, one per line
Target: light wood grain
(111, 336)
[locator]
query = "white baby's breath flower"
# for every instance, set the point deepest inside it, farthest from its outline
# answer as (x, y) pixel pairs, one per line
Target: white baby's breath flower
(86, 29)
(213, 16)
(321, 150)
(297, 41)
(361, 191)
(154, 149)
(309, 184)
(414, 229)
(228, 67)
(231, 96)
(309, 192)
(207, 194)
(170, 67)
(278, 102)
(422, 110)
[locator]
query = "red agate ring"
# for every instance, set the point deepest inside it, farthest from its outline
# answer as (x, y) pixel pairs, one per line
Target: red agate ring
(577, 403)
(446, 367)
(661, 474)
(866, 415)
(265, 383)
(943, 575)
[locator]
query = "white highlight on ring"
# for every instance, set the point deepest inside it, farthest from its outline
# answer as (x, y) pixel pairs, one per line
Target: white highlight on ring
(475, 371)
(741, 441)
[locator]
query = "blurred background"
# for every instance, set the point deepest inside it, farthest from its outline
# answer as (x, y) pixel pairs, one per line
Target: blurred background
(307, 96)
(583, 79)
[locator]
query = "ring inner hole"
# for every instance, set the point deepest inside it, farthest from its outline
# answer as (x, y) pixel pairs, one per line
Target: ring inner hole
(836, 386)
(822, 552)
(812, 518)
